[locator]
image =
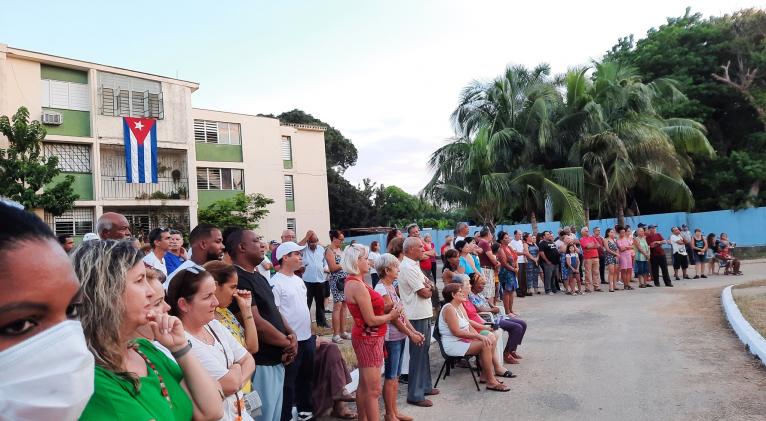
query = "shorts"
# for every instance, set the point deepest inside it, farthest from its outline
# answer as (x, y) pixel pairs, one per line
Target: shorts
(700, 258)
(394, 355)
(680, 261)
(642, 267)
(369, 350)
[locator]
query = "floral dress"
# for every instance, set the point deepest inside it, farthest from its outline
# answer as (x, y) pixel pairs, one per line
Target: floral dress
(609, 258)
(533, 271)
(334, 278)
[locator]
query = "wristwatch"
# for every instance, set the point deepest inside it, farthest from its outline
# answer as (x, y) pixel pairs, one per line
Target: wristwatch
(183, 351)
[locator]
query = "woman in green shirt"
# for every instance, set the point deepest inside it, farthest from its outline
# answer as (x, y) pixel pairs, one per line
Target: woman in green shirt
(133, 379)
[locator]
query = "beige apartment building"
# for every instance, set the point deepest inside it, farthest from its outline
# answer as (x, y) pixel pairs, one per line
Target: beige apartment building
(203, 155)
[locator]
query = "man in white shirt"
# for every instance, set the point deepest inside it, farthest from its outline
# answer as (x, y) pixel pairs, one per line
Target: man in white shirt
(518, 246)
(159, 238)
(461, 231)
(415, 292)
(290, 298)
(315, 277)
(680, 257)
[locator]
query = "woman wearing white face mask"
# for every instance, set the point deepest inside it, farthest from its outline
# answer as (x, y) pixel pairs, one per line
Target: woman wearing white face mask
(134, 380)
(35, 318)
(191, 294)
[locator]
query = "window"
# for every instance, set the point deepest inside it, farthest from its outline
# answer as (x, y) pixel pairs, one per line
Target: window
(75, 222)
(289, 193)
(287, 152)
(129, 96)
(219, 179)
(217, 132)
(72, 158)
(65, 95)
(291, 224)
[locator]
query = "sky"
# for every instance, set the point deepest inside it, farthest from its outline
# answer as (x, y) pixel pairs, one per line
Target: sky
(387, 74)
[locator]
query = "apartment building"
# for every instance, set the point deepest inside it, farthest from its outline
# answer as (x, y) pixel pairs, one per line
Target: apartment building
(81, 105)
(253, 154)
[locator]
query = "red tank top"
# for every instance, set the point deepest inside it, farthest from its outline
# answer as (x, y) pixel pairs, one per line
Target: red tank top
(360, 327)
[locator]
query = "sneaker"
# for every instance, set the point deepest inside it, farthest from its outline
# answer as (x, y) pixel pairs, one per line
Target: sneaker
(703, 276)
(345, 335)
(549, 293)
(677, 278)
(696, 277)
(337, 339)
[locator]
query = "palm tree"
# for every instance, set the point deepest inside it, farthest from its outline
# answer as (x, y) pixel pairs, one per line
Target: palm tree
(510, 120)
(621, 141)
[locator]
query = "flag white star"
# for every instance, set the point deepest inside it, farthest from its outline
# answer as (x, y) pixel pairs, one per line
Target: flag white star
(139, 126)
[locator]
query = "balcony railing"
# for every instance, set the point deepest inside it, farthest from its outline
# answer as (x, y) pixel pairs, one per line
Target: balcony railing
(116, 187)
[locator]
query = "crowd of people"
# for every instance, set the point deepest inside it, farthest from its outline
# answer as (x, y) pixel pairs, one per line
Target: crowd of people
(526, 264)
(222, 327)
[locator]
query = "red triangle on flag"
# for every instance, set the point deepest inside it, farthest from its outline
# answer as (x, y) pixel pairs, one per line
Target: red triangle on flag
(140, 127)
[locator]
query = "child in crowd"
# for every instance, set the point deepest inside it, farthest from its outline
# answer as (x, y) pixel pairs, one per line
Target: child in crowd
(570, 271)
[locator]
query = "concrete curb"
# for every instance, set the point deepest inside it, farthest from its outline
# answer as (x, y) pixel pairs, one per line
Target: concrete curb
(754, 342)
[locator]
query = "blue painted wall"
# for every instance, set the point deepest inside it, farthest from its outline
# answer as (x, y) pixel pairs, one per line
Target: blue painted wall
(746, 227)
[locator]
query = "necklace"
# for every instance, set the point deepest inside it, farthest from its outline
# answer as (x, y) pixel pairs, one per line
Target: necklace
(151, 365)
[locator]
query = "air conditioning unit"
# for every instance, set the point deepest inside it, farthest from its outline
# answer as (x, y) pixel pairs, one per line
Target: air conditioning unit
(52, 118)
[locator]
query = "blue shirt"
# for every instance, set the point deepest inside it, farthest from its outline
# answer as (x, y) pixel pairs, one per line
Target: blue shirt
(314, 264)
(172, 262)
(468, 269)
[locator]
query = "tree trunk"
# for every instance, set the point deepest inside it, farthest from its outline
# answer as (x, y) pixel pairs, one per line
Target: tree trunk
(587, 216)
(755, 190)
(621, 216)
(533, 221)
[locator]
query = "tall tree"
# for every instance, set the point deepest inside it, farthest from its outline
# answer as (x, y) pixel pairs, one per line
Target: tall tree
(25, 174)
(242, 210)
(340, 152)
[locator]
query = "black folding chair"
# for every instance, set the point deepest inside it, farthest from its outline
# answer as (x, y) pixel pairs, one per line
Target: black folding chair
(450, 362)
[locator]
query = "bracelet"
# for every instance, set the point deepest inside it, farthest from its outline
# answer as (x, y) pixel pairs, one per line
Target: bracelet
(183, 351)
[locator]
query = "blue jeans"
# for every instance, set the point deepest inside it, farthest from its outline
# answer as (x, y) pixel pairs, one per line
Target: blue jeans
(393, 364)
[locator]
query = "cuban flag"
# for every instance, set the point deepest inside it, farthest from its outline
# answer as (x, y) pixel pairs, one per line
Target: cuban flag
(140, 149)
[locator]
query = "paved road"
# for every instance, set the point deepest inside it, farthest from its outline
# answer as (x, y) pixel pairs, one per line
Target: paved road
(650, 354)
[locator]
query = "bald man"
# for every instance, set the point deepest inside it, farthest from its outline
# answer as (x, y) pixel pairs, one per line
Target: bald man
(287, 236)
(113, 226)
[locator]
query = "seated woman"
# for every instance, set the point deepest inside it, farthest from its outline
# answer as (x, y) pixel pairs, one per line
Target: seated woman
(191, 295)
(459, 338)
(732, 263)
(47, 370)
(513, 325)
(331, 375)
(134, 380)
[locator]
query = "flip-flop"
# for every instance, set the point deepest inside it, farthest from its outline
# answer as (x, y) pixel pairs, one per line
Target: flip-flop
(485, 382)
(499, 388)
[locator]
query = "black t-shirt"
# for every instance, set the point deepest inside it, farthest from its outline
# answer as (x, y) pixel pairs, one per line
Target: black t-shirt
(263, 298)
(550, 250)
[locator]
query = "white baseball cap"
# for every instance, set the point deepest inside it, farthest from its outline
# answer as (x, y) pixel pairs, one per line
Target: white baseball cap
(288, 247)
(90, 236)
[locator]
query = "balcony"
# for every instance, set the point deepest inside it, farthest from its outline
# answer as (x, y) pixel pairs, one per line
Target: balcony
(173, 178)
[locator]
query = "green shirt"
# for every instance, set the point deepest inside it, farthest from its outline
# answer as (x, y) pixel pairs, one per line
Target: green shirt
(641, 242)
(114, 398)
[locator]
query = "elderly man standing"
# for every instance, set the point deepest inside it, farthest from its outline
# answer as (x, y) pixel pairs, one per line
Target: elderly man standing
(113, 226)
(416, 290)
(461, 231)
(287, 236)
(590, 247)
(413, 230)
(315, 278)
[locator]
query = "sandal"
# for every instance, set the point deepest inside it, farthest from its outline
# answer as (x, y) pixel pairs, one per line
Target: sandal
(499, 388)
(507, 375)
(628, 287)
(350, 415)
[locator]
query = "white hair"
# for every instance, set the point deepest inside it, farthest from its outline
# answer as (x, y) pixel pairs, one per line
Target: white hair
(351, 256)
(103, 224)
(386, 261)
(410, 242)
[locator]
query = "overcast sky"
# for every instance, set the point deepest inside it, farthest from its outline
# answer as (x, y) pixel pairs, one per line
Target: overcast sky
(387, 74)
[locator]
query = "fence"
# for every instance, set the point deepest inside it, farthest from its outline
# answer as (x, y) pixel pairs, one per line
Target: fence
(743, 227)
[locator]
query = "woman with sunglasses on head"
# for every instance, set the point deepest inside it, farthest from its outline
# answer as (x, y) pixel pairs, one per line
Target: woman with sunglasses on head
(191, 295)
(134, 380)
(46, 370)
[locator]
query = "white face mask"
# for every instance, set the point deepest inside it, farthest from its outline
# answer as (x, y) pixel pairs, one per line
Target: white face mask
(48, 376)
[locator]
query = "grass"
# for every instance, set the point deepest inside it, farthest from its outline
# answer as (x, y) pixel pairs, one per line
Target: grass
(753, 307)
(751, 284)
(346, 350)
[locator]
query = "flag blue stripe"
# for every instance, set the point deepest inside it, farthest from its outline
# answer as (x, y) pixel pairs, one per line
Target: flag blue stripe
(141, 172)
(128, 163)
(153, 139)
